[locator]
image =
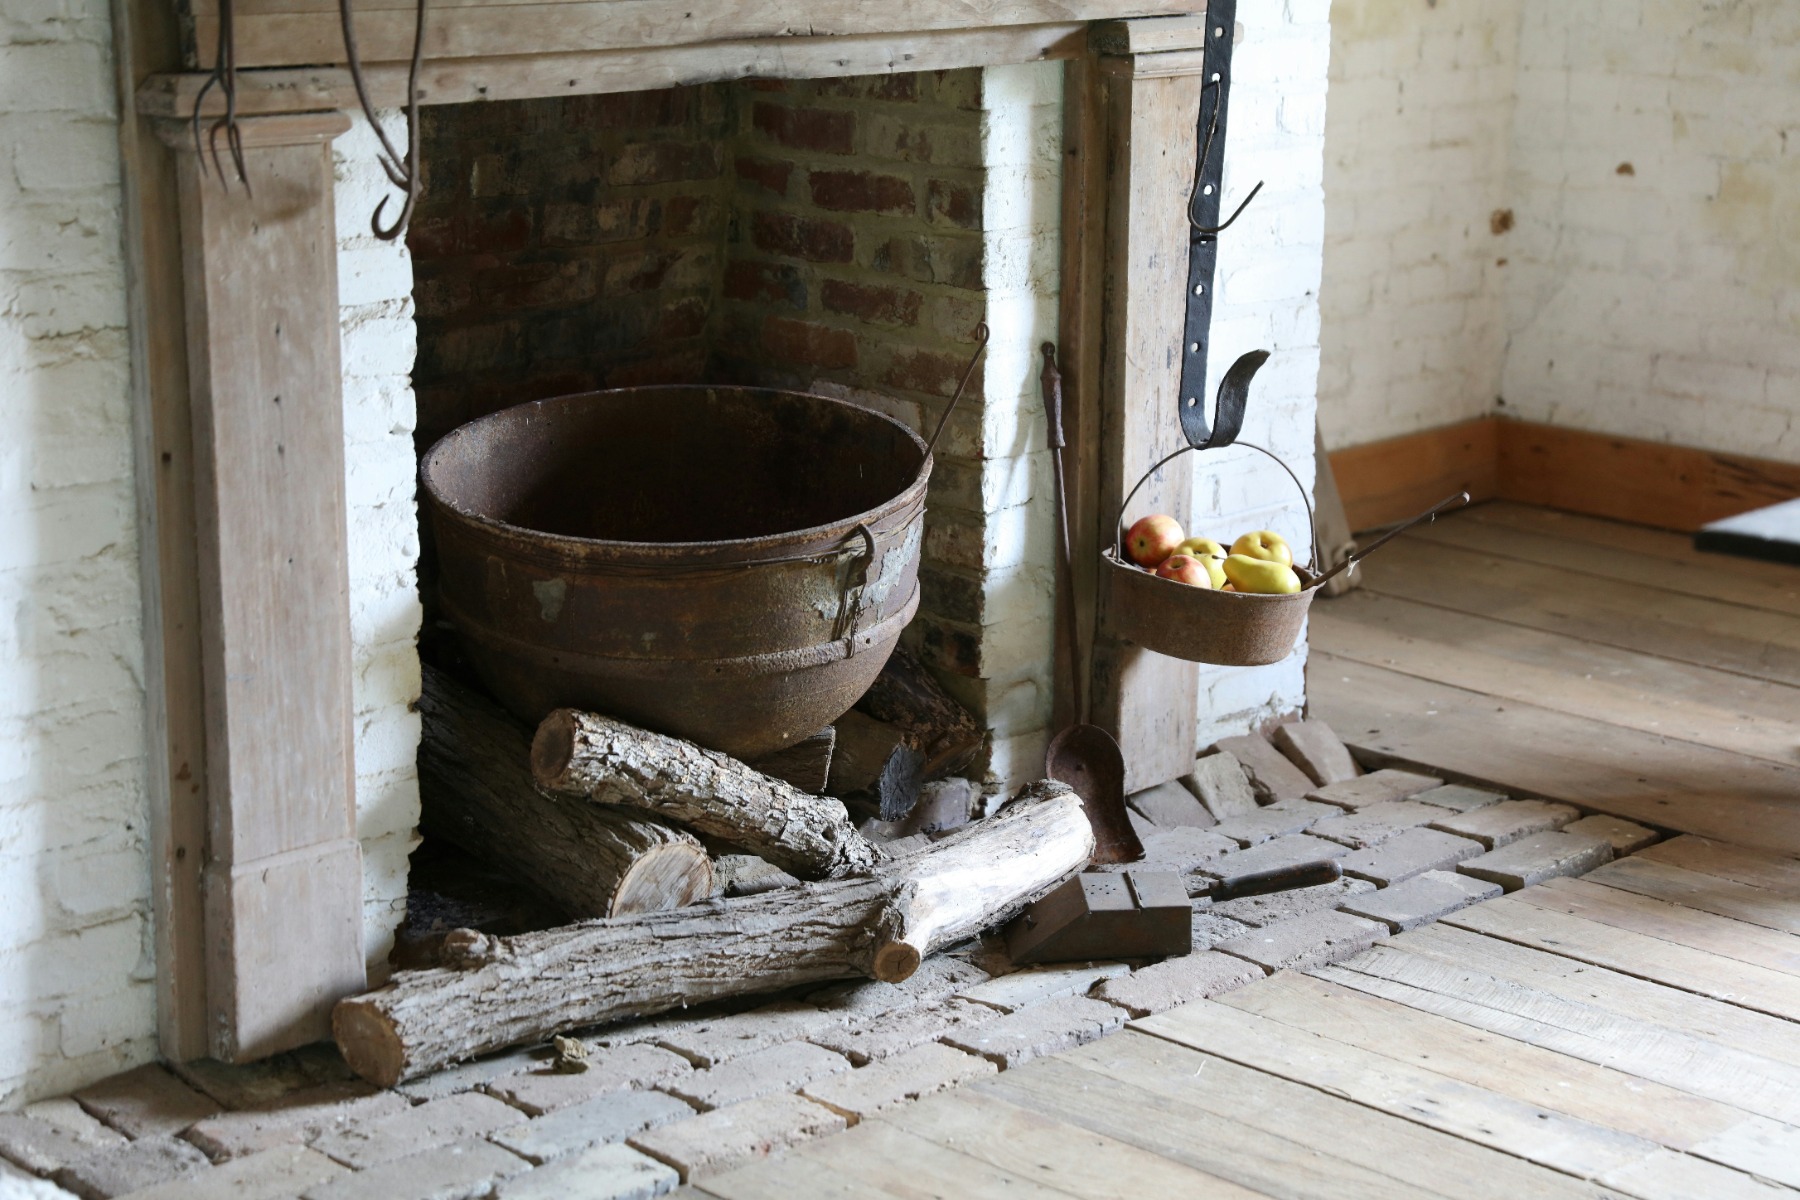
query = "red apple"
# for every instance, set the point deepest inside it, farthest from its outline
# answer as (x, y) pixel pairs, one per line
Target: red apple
(1185, 568)
(1152, 540)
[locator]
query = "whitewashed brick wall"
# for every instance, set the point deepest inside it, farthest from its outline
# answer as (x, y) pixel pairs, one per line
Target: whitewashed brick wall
(1662, 303)
(1021, 146)
(76, 976)
(1417, 147)
(1268, 298)
(379, 343)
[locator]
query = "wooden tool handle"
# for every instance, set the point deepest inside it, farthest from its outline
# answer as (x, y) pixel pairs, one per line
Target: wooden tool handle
(1258, 883)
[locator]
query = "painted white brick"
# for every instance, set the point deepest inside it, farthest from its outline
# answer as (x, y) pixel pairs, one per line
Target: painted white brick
(379, 342)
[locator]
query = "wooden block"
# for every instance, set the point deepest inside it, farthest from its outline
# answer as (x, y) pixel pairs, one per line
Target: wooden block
(1222, 785)
(1316, 750)
(1271, 774)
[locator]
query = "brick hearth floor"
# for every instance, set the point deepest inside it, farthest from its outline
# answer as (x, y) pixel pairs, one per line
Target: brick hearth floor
(689, 1095)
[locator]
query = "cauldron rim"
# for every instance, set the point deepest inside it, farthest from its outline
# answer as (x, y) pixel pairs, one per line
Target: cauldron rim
(807, 542)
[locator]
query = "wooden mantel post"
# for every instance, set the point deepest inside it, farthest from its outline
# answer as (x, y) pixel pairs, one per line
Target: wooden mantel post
(1148, 82)
(282, 880)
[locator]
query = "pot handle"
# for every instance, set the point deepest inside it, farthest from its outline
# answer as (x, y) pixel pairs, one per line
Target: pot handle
(853, 573)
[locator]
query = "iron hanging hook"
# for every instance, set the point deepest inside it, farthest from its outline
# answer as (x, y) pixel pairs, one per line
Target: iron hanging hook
(981, 338)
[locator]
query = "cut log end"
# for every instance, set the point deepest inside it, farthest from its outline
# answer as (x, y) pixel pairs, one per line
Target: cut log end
(369, 1042)
(672, 876)
(553, 747)
(895, 962)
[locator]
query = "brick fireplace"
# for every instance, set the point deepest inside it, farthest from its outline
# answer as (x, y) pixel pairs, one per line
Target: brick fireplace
(816, 212)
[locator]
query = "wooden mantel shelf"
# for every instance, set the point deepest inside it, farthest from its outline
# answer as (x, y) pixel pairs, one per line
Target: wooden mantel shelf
(503, 49)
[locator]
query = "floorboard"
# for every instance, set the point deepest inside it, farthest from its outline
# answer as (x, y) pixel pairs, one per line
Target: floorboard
(1587, 761)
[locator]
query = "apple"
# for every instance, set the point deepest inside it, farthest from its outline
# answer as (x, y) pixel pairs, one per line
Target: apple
(1184, 568)
(1210, 554)
(1263, 544)
(1261, 575)
(1201, 547)
(1152, 540)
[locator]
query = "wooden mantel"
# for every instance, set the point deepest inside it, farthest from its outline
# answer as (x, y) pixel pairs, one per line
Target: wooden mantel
(239, 407)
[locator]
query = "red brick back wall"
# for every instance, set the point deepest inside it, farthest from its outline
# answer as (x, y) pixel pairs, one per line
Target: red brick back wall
(566, 244)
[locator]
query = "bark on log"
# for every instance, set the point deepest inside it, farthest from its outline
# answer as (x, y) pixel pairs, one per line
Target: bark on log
(906, 696)
(517, 990)
(805, 764)
(585, 754)
(591, 860)
(875, 768)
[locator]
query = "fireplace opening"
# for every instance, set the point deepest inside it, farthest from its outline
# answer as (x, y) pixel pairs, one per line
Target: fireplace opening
(837, 236)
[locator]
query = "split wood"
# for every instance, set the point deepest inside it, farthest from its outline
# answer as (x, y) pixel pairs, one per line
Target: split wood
(519, 990)
(591, 860)
(584, 754)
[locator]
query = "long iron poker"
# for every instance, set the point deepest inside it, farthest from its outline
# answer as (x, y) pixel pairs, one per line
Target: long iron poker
(1429, 514)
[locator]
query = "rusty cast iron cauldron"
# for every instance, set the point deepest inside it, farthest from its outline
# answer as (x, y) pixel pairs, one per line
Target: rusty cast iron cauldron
(729, 565)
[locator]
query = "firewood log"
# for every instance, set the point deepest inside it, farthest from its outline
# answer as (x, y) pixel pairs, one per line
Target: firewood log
(906, 696)
(806, 764)
(510, 991)
(590, 860)
(874, 769)
(810, 837)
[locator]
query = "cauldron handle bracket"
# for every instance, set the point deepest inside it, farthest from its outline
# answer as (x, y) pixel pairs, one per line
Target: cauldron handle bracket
(853, 573)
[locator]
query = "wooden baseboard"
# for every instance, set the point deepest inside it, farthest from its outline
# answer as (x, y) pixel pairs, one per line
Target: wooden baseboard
(1595, 474)
(1388, 481)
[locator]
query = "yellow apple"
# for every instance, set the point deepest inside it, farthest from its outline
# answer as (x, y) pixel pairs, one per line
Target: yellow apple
(1261, 575)
(1210, 553)
(1266, 545)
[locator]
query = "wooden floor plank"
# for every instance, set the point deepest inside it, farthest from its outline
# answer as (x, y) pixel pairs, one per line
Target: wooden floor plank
(873, 1160)
(1627, 995)
(1281, 1137)
(1639, 539)
(1708, 633)
(1741, 864)
(1029, 1145)
(1671, 1058)
(1664, 962)
(1564, 674)
(1676, 923)
(1345, 1006)
(1609, 560)
(1477, 1114)
(1659, 781)
(1707, 893)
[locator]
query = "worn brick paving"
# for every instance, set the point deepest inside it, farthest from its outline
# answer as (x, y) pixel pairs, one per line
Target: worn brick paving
(692, 1093)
